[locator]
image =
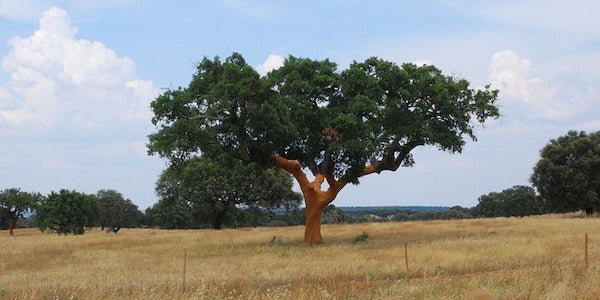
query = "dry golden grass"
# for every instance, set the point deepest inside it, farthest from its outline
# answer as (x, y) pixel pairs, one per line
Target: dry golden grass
(504, 258)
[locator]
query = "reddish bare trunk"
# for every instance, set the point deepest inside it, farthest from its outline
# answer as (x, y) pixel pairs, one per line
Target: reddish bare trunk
(11, 223)
(315, 198)
(312, 225)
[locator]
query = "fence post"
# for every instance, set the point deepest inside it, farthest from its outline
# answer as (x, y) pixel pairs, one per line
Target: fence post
(406, 260)
(184, 267)
(586, 252)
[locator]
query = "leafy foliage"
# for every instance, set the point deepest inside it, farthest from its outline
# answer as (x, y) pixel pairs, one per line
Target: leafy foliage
(68, 212)
(3, 221)
(169, 214)
(333, 122)
(517, 201)
(567, 176)
(14, 203)
(212, 189)
(361, 238)
(116, 211)
(340, 125)
(334, 215)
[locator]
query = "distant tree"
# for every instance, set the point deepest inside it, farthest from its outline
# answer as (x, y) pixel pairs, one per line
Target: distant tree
(170, 214)
(116, 211)
(252, 217)
(67, 212)
(214, 189)
(308, 116)
(517, 201)
(460, 209)
(402, 216)
(455, 212)
(334, 215)
(3, 221)
(14, 203)
(27, 221)
(292, 217)
(426, 215)
(567, 176)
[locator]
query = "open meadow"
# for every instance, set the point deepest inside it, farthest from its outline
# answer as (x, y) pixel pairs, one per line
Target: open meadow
(503, 258)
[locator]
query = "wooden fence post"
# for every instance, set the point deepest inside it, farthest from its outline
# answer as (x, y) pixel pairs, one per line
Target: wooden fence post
(406, 260)
(184, 267)
(586, 253)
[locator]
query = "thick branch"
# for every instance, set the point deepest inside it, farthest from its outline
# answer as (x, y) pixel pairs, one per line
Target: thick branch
(334, 187)
(405, 150)
(319, 178)
(293, 167)
(393, 158)
(326, 166)
(369, 169)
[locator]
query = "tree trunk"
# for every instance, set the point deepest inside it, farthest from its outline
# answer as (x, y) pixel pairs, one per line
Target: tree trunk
(312, 225)
(218, 220)
(314, 197)
(11, 223)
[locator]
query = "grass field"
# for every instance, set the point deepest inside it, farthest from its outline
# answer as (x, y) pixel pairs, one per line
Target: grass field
(504, 258)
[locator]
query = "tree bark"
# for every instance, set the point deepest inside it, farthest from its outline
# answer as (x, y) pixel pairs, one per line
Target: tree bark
(11, 223)
(314, 197)
(218, 219)
(312, 227)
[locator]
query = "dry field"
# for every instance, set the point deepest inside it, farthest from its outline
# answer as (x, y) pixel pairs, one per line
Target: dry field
(528, 258)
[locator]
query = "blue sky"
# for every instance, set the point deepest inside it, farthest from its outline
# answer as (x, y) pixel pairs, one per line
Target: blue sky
(77, 77)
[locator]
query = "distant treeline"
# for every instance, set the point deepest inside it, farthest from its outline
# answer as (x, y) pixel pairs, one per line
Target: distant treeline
(109, 210)
(252, 217)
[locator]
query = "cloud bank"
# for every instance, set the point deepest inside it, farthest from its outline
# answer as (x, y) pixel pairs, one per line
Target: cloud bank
(547, 98)
(58, 80)
(273, 62)
(74, 115)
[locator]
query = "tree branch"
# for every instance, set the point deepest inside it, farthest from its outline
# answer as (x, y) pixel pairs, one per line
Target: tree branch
(369, 169)
(394, 157)
(326, 166)
(319, 178)
(293, 167)
(334, 187)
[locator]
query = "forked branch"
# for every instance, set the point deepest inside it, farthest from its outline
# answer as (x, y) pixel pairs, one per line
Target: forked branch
(335, 186)
(393, 159)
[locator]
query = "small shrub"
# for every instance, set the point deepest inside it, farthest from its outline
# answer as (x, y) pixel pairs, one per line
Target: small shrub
(361, 238)
(275, 241)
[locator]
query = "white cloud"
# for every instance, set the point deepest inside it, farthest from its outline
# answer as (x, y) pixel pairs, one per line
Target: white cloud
(515, 78)
(143, 90)
(59, 80)
(422, 62)
(273, 62)
(73, 114)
